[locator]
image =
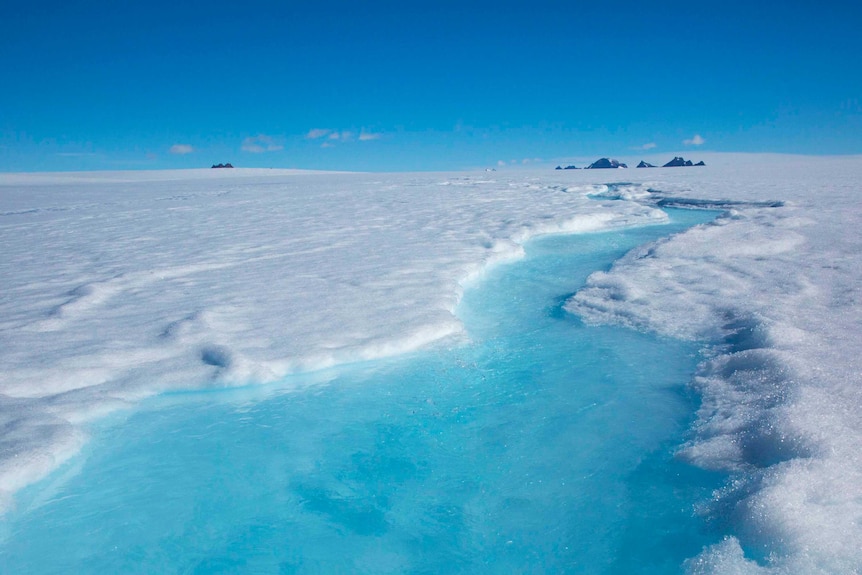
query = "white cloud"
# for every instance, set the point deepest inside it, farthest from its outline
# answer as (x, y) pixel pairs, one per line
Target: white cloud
(697, 140)
(327, 145)
(645, 147)
(501, 163)
(333, 136)
(317, 133)
(260, 143)
(181, 149)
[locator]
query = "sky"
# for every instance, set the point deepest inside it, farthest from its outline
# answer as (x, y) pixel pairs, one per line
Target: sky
(411, 86)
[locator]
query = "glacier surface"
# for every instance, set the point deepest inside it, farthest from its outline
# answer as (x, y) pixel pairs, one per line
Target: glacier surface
(118, 286)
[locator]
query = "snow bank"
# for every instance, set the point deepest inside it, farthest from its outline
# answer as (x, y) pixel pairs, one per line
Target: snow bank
(115, 286)
(774, 288)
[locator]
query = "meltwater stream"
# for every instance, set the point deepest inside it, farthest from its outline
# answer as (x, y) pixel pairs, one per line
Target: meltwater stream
(542, 446)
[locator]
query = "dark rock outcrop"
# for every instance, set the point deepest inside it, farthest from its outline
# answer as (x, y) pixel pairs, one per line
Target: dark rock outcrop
(559, 168)
(570, 167)
(679, 162)
(644, 165)
(605, 163)
(222, 166)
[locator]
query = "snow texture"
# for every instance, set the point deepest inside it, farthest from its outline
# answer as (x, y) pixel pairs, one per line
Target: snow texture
(774, 289)
(116, 286)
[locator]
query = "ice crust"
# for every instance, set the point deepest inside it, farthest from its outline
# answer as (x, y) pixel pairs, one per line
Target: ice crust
(116, 286)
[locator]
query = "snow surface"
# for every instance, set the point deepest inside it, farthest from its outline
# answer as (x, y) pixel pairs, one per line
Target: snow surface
(776, 288)
(116, 286)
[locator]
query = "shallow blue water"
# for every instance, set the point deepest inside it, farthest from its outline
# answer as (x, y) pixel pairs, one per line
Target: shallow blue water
(543, 446)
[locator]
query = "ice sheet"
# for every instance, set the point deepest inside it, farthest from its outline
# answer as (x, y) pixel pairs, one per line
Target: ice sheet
(118, 286)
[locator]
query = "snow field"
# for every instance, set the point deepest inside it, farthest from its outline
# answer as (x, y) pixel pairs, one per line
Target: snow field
(119, 286)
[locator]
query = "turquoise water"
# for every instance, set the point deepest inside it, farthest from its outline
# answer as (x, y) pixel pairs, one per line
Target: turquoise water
(542, 446)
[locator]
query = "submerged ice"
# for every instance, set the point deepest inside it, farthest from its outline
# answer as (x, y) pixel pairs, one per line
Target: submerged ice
(120, 286)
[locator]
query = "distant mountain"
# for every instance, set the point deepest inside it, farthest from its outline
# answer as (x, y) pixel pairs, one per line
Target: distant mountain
(679, 162)
(222, 166)
(605, 163)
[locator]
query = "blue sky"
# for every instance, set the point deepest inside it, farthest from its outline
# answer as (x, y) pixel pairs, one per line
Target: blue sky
(98, 84)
